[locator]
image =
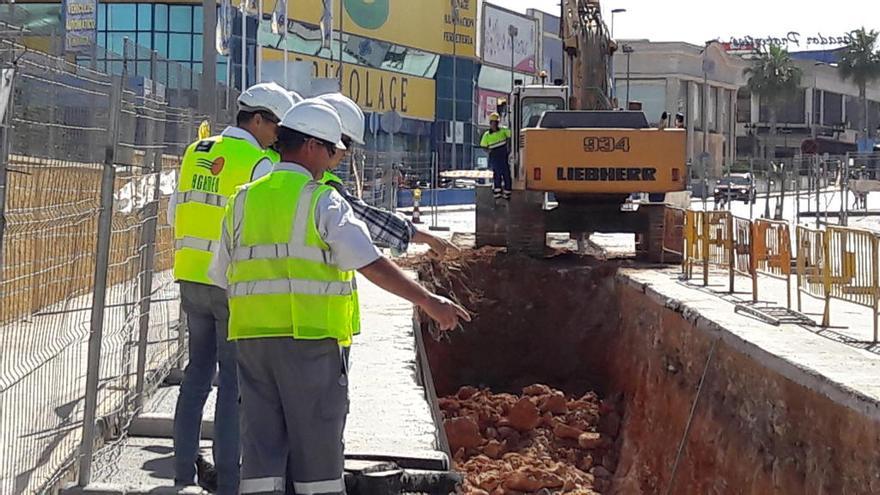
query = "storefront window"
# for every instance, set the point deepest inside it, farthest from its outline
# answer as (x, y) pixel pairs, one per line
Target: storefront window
(788, 111)
(743, 106)
(121, 16)
(173, 31)
(833, 111)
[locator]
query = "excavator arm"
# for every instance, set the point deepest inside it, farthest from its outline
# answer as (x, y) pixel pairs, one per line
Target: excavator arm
(588, 49)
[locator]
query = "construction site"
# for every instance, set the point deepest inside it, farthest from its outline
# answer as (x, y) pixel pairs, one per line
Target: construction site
(627, 335)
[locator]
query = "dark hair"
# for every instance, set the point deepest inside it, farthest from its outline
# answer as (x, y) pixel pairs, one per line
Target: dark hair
(664, 116)
(290, 140)
(245, 116)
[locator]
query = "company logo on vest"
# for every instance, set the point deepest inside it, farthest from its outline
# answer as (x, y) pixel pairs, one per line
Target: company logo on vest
(368, 14)
(215, 167)
(207, 183)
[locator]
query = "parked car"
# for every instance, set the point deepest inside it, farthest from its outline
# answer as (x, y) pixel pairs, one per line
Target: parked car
(735, 187)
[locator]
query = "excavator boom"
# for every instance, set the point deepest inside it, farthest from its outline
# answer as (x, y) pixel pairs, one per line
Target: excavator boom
(588, 49)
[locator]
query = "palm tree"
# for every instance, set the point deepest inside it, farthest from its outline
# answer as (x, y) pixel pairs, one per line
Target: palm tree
(774, 78)
(861, 63)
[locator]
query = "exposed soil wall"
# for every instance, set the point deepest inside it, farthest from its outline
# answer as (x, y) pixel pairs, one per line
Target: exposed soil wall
(577, 325)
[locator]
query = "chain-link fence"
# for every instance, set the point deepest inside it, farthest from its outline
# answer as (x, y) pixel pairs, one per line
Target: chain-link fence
(89, 317)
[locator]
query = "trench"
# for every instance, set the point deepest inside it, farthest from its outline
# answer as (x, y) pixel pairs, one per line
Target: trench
(572, 379)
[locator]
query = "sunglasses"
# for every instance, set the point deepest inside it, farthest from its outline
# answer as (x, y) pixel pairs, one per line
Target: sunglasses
(330, 147)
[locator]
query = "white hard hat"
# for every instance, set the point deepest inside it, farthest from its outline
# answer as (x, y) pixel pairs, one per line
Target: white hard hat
(296, 97)
(317, 119)
(270, 97)
(350, 113)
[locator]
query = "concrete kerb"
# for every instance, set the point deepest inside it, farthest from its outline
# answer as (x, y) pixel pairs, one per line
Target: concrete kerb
(114, 489)
(426, 211)
(805, 376)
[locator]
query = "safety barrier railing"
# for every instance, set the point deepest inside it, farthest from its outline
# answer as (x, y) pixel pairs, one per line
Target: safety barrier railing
(674, 237)
(741, 250)
(710, 242)
(813, 276)
(693, 251)
(838, 262)
(771, 254)
(853, 267)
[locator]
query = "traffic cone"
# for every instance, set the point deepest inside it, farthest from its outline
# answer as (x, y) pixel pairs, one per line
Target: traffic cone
(417, 197)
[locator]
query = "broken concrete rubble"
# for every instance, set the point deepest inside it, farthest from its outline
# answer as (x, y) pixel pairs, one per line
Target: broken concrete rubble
(510, 449)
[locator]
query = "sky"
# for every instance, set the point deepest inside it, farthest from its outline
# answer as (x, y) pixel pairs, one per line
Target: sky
(698, 21)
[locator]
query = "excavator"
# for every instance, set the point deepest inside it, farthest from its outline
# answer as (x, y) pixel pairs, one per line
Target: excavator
(570, 144)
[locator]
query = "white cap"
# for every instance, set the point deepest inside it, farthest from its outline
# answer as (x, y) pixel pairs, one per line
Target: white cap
(317, 119)
(350, 113)
(270, 97)
(296, 97)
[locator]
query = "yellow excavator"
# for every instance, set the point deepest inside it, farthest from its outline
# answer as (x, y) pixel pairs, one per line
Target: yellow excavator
(569, 141)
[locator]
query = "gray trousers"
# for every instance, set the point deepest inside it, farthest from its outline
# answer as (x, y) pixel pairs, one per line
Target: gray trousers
(294, 401)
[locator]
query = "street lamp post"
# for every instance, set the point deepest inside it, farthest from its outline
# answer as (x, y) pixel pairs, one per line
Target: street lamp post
(613, 77)
(628, 50)
(513, 32)
(454, 84)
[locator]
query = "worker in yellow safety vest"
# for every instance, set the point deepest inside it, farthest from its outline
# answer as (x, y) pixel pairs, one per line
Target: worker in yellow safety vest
(497, 141)
(289, 249)
(211, 170)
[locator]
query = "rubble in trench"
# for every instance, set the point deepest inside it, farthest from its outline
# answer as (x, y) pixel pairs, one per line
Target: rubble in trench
(542, 440)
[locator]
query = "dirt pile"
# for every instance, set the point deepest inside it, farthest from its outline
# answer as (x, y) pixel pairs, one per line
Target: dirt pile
(541, 441)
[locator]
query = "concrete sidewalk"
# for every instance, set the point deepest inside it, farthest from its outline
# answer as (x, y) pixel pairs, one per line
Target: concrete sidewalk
(390, 419)
(850, 323)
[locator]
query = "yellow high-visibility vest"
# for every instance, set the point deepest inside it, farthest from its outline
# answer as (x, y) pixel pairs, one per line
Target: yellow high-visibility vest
(211, 171)
(283, 280)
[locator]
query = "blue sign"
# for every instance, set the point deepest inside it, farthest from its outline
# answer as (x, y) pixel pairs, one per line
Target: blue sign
(80, 25)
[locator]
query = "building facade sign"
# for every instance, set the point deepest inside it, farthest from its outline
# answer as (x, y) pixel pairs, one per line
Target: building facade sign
(791, 40)
(374, 90)
(80, 25)
(421, 24)
(496, 41)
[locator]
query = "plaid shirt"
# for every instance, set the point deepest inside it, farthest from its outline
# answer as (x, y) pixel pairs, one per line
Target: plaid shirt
(386, 228)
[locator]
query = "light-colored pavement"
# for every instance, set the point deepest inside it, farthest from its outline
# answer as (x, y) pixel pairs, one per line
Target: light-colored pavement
(390, 416)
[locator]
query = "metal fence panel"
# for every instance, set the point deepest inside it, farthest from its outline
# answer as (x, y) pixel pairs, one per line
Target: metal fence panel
(674, 233)
(852, 263)
(772, 252)
(813, 276)
(51, 205)
(58, 136)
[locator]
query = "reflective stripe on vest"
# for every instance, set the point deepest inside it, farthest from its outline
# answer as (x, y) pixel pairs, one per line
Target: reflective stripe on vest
(289, 250)
(202, 197)
(285, 289)
(291, 286)
(195, 243)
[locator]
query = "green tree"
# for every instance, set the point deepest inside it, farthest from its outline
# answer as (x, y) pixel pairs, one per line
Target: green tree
(861, 63)
(774, 78)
